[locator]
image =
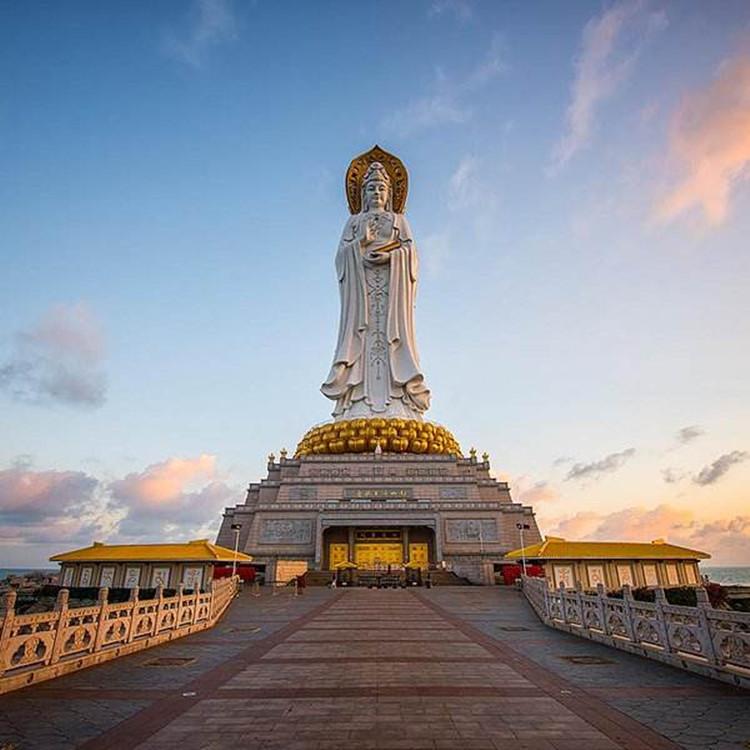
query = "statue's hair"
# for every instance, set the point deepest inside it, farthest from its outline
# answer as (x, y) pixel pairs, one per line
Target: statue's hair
(376, 171)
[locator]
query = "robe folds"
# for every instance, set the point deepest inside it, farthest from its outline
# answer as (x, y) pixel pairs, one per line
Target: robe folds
(375, 369)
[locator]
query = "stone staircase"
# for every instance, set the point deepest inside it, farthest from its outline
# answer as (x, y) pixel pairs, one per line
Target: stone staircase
(318, 577)
(448, 578)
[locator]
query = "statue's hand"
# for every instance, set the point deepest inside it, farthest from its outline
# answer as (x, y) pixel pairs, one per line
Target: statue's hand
(375, 257)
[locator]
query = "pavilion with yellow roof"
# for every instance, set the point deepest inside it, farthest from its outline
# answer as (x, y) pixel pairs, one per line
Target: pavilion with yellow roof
(612, 564)
(145, 565)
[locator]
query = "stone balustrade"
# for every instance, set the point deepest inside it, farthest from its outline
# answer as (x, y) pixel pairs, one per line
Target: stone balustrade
(711, 642)
(40, 646)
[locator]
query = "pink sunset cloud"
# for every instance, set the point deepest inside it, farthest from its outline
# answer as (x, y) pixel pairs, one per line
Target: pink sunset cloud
(178, 494)
(727, 539)
(710, 144)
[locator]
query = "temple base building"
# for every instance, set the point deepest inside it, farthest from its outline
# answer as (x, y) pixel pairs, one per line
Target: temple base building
(377, 510)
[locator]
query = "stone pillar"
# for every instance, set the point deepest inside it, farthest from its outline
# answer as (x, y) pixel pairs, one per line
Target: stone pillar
(319, 530)
(350, 542)
(438, 540)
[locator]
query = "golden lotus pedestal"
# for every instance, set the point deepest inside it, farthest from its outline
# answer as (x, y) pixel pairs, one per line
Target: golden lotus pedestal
(391, 435)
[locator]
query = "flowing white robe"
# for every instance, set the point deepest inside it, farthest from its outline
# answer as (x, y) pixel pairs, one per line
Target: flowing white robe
(375, 369)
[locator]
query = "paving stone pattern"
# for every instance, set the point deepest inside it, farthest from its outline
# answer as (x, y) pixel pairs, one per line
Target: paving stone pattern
(441, 668)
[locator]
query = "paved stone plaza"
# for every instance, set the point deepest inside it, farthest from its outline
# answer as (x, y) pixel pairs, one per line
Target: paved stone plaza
(454, 668)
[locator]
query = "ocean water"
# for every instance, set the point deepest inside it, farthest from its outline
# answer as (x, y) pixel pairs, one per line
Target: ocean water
(728, 576)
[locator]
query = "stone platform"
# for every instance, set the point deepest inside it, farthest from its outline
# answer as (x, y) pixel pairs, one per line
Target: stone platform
(316, 511)
(452, 669)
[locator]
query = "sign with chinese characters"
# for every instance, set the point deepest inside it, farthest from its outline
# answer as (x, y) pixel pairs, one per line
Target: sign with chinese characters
(68, 576)
(160, 577)
(564, 575)
(625, 575)
(86, 576)
(471, 530)
(132, 577)
(649, 573)
(378, 493)
(286, 531)
(673, 578)
(193, 578)
(596, 575)
(107, 576)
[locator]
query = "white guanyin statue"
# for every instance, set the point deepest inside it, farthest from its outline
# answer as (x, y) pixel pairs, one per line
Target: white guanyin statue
(375, 371)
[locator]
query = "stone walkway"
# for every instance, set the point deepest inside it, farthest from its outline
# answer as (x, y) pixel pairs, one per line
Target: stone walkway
(454, 668)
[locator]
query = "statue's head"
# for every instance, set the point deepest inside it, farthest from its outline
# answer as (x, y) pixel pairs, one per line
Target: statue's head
(376, 188)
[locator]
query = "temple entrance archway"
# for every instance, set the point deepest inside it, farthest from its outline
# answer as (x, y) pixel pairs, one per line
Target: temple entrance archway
(378, 548)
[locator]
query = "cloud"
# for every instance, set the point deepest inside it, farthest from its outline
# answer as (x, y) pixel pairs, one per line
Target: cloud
(448, 101)
(716, 470)
(58, 360)
(610, 46)
(46, 506)
(688, 434)
(462, 10)
(179, 494)
(43, 512)
(672, 476)
(710, 144)
(533, 493)
(727, 540)
(210, 23)
(597, 469)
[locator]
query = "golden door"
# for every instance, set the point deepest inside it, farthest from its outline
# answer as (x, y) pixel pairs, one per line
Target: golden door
(418, 554)
(370, 556)
(337, 553)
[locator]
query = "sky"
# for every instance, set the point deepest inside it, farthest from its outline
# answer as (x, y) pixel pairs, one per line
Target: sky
(171, 199)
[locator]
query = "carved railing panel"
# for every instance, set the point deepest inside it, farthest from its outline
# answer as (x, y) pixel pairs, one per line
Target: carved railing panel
(31, 642)
(715, 638)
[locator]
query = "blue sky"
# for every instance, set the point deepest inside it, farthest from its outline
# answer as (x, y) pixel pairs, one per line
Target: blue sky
(172, 197)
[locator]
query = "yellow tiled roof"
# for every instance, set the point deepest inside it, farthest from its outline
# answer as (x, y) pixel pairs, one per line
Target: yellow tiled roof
(556, 548)
(198, 550)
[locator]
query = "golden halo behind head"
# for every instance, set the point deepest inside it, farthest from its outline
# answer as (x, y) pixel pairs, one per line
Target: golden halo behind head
(396, 171)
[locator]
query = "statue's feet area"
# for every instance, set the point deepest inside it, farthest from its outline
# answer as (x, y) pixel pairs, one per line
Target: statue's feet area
(393, 435)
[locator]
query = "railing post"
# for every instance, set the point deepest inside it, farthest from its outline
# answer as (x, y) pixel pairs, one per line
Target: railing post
(660, 599)
(159, 594)
(61, 607)
(601, 602)
(9, 602)
(561, 594)
(103, 599)
(579, 601)
(627, 598)
(703, 603)
(134, 603)
(180, 604)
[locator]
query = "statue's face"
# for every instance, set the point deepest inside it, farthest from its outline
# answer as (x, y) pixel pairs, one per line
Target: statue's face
(376, 195)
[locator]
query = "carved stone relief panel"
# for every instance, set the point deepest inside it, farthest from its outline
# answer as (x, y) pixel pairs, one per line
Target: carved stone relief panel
(303, 493)
(471, 530)
(286, 531)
